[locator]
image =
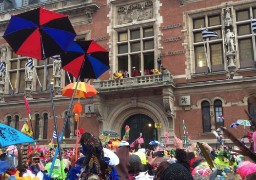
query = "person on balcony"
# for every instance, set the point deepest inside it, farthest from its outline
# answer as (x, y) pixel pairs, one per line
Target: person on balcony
(118, 75)
(135, 72)
(147, 72)
(126, 74)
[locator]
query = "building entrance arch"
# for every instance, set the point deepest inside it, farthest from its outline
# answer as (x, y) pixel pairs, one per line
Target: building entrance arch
(140, 123)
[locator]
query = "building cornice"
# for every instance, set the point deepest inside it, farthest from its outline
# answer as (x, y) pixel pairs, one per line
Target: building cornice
(71, 9)
(216, 83)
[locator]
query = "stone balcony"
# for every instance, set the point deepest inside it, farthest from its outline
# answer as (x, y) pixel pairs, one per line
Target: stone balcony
(149, 81)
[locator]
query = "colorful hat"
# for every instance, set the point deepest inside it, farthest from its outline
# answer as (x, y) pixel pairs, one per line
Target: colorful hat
(123, 143)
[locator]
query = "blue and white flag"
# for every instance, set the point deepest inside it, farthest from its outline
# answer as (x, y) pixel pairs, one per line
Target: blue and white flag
(253, 24)
(208, 34)
(30, 63)
(54, 135)
(56, 57)
(2, 67)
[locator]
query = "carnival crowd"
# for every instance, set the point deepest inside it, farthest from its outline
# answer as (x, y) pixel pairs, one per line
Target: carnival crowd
(116, 159)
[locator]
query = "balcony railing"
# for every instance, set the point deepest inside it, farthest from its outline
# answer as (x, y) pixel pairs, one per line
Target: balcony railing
(134, 82)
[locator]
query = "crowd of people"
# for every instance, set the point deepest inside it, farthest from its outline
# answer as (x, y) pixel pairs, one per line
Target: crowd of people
(135, 72)
(118, 160)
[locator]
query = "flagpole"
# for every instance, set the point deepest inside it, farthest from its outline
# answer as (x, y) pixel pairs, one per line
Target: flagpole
(38, 79)
(69, 77)
(206, 56)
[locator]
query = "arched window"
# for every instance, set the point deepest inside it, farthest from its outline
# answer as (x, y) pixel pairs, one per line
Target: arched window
(9, 120)
(206, 116)
(16, 118)
(67, 127)
(45, 129)
(37, 124)
(218, 111)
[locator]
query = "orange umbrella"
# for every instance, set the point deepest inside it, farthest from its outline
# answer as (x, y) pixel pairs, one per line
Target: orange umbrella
(84, 90)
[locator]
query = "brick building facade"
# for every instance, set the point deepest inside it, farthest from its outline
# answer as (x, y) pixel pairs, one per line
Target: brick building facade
(193, 86)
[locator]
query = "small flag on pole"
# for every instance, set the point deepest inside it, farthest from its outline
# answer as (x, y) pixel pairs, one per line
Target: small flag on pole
(54, 135)
(221, 117)
(185, 138)
(30, 63)
(208, 34)
(253, 24)
(2, 67)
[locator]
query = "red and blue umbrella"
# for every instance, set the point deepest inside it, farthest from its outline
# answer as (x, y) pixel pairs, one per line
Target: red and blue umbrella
(39, 33)
(86, 59)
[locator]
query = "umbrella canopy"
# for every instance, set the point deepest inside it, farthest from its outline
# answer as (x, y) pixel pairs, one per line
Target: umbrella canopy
(243, 122)
(39, 33)
(111, 133)
(10, 136)
(234, 125)
(86, 58)
(113, 158)
(84, 90)
(155, 143)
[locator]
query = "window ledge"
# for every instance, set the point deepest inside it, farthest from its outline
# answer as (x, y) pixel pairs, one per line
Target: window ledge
(206, 134)
(208, 74)
(246, 69)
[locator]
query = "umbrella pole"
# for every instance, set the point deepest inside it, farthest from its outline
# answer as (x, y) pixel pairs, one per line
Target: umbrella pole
(54, 117)
(66, 118)
(77, 134)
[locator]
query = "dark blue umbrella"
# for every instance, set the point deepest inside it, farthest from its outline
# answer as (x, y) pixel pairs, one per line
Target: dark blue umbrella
(155, 143)
(234, 125)
(85, 59)
(10, 136)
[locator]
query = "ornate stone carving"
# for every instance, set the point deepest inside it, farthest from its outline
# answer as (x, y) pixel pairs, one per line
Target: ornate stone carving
(227, 17)
(168, 103)
(3, 52)
(98, 110)
(132, 13)
(229, 39)
(57, 76)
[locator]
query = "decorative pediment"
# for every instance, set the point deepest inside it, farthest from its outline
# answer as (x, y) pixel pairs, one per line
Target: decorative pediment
(131, 13)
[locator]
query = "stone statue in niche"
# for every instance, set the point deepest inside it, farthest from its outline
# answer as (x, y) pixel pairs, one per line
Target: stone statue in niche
(230, 41)
(227, 17)
(29, 73)
(56, 68)
(3, 52)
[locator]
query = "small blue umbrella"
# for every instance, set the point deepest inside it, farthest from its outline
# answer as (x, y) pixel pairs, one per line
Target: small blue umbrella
(154, 143)
(10, 136)
(234, 125)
